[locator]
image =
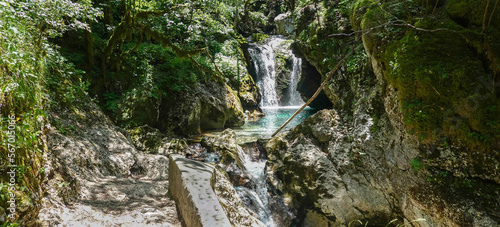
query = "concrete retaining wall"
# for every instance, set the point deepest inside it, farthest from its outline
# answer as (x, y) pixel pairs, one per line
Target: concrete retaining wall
(189, 185)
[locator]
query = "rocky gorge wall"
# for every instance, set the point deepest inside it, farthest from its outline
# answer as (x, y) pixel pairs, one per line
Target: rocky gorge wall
(367, 159)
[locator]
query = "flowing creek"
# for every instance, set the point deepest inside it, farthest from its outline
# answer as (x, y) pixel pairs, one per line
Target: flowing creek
(264, 56)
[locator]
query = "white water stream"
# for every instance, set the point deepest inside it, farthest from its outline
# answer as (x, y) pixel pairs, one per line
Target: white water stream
(259, 196)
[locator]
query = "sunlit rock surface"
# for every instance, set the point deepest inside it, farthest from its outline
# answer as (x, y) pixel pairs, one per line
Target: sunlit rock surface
(96, 177)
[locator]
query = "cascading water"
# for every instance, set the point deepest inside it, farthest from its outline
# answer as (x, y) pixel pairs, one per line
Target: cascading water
(264, 57)
(295, 99)
(259, 196)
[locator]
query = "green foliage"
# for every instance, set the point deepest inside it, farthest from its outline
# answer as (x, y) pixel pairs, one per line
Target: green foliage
(374, 127)
(21, 101)
(8, 224)
(356, 61)
(63, 81)
(111, 100)
(167, 71)
(27, 59)
(315, 22)
(431, 88)
(416, 164)
(259, 37)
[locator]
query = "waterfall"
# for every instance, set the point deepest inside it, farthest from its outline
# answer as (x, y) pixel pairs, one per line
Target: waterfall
(264, 60)
(295, 99)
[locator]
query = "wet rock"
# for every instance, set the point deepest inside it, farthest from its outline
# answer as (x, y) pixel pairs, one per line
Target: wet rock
(255, 150)
(225, 145)
(284, 24)
(254, 115)
(228, 197)
(238, 178)
(249, 93)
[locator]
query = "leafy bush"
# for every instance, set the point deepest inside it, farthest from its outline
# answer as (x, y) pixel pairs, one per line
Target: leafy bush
(26, 60)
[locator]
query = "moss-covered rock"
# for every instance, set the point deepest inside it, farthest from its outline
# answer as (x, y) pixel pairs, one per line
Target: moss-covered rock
(445, 86)
(422, 86)
(249, 93)
(146, 138)
(227, 148)
(259, 37)
(139, 106)
(284, 24)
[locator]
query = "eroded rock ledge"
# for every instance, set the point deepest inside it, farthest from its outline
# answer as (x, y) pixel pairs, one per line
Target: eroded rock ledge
(333, 171)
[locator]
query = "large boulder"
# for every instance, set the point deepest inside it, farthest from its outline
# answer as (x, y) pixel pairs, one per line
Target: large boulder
(146, 138)
(333, 172)
(136, 107)
(284, 24)
(316, 168)
(206, 106)
(227, 148)
(180, 114)
(249, 93)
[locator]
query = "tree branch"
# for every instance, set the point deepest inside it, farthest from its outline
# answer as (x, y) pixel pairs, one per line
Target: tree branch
(328, 76)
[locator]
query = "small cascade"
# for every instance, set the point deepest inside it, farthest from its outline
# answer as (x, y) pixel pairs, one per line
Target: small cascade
(256, 199)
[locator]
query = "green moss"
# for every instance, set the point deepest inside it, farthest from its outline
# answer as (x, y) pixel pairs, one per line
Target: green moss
(416, 164)
(438, 77)
(259, 37)
(458, 8)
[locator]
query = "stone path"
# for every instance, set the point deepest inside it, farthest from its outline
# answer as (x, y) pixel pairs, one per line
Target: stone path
(114, 201)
